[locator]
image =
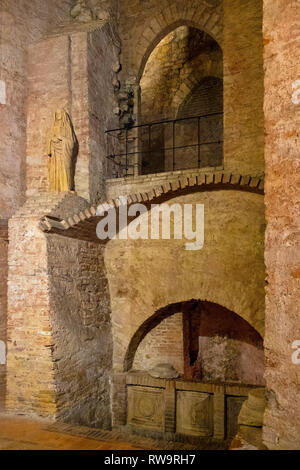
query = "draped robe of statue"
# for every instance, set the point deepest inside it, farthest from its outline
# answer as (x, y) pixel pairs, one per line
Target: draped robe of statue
(62, 149)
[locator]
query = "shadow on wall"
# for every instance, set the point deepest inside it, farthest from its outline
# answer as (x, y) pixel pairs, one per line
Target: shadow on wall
(212, 343)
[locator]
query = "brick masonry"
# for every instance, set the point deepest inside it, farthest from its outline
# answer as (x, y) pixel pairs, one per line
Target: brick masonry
(22, 23)
(162, 344)
(85, 92)
(59, 337)
(3, 302)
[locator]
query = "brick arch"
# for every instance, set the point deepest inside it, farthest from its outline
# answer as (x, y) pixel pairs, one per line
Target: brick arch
(201, 17)
(165, 312)
(83, 224)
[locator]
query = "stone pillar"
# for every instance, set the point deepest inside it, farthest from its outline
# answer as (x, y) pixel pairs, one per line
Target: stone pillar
(282, 246)
(59, 335)
(30, 377)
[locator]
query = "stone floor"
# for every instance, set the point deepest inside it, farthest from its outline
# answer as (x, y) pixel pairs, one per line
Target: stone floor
(23, 434)
(19, 433)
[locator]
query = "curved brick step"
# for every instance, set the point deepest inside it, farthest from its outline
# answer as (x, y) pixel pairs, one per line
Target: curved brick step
(83, 224)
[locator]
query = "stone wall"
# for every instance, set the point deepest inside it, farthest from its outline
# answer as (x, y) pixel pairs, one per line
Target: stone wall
(102, 62)
(142, 25)
(184, 410)
(229, 270)
(282, 121)
(30, 378)
(22, 23)
(183, 54)
(220, 346)
(243, 86)
(85, 59)
(80, 321)
(3, 306)
(59, 342)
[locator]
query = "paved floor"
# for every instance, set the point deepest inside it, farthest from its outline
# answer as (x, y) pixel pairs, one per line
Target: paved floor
(24, 434)
(19, 433)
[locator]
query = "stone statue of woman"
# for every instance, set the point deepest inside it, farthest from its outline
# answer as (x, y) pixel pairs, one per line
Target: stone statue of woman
(62, 150)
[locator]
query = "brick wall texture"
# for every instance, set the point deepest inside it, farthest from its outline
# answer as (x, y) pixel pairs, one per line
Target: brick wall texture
(22, 23)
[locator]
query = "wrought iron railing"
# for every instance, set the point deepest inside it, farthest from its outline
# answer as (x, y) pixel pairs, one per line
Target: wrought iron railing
(160, 146)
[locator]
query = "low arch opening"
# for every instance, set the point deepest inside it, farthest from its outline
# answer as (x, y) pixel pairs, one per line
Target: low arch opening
(181, 103)
(203, 341)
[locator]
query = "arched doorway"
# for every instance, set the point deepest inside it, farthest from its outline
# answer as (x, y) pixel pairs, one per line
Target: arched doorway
(184, 71)
(222, 357)
(202, 340)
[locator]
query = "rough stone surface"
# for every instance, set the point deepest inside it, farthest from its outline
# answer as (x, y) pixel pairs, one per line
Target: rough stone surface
(212, 273)
(252, 412)
(221, 346)
(88, 10)
(81, 331)
(163, 343)
(80, 88)
(282, 253)
(250, 422)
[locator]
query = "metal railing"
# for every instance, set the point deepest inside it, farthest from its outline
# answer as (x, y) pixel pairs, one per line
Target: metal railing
(130, 149)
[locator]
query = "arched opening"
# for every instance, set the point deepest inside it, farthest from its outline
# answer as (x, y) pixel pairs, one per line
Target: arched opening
(155, 138)
(195, 363)
(181, 103)
(202, 341)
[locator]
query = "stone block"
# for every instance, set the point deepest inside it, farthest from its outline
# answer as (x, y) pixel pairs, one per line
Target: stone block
(146, 408)
(194, 413)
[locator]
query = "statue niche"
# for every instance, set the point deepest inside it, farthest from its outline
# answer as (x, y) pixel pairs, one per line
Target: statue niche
(62, 149)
